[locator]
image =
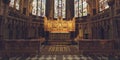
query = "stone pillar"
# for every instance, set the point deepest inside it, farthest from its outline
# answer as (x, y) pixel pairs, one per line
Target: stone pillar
(21, 6)
(69, 9)
(49, 9)
(5, 14)
(24, 8)
(1, 8)
(94, 6)
(28, 7)
(113, 27)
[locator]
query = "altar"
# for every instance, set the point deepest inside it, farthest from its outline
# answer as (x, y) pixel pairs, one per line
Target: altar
(59, 29)
(59, 25)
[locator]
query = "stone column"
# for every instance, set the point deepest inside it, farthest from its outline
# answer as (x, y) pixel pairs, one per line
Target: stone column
(5, 14)
(28, 7)
(113, 27)
(94, 8)
(69, 9)
(21, 6)
(49, 9)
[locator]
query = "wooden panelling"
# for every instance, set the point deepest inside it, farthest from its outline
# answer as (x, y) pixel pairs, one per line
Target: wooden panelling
(95, 46)
(20, 47)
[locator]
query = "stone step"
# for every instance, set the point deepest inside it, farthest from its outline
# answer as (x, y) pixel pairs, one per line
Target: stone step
(59, 42)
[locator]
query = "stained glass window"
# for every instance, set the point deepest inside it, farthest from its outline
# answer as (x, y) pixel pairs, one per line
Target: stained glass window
(38, 7)
(43, 8)
(80, 8)
(34, 5)
(103, 5)
(12, 3)
(76, 7)
(84, 8)
(59, 8)
(17, 4)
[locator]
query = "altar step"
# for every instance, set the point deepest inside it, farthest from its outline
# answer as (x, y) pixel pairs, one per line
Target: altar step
(58, 42)
(60, 50)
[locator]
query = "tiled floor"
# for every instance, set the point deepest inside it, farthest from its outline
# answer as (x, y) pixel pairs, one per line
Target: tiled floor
(60, 52)
(61, 57)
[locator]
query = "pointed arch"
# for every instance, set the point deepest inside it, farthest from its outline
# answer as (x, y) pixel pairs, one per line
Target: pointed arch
(38, 7)
(59, 8)
(103, 5)
(80, 8)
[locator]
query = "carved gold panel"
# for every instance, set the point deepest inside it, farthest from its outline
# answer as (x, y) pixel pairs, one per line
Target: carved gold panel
(59, 25)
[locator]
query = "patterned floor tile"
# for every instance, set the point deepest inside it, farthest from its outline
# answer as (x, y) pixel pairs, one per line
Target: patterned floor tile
(48, 57)
(71, 57)
(60, 57)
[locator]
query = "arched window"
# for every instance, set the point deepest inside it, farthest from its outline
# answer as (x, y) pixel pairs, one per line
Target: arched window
(103, 5)
(12, 3)
(80, 8)
(59, 8)
(15, 3)
(38, 7)
(34, 7)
